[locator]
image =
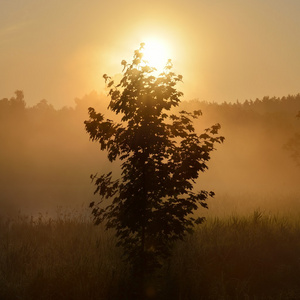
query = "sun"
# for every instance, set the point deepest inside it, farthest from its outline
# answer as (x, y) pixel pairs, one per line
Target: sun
(156, 53)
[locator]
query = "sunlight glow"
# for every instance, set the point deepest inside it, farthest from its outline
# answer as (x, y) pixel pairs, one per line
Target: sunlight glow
(156, 53)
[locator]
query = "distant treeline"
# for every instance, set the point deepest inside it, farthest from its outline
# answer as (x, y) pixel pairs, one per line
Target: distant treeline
(46, 157)
(290, 103)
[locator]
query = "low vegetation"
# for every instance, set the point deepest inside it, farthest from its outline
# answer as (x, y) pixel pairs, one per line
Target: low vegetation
(235, 257)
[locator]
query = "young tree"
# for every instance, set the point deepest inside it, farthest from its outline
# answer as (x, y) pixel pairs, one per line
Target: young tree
(151, 205)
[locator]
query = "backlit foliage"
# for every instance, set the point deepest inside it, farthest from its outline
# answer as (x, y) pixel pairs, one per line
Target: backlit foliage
(152, 203)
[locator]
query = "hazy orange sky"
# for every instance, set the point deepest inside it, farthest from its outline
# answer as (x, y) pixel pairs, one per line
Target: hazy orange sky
(225, 50)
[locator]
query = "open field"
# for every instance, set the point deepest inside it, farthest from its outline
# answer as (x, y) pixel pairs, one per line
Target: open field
(254, 256)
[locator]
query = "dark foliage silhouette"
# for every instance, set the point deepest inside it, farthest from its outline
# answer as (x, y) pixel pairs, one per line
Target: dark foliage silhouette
(151, 205)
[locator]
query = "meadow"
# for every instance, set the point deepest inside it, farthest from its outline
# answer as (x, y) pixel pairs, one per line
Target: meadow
(238, 256)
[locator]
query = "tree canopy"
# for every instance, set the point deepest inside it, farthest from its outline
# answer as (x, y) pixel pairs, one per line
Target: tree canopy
(152, 203)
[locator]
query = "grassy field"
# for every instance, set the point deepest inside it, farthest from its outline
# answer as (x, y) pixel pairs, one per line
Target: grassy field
(235, 257)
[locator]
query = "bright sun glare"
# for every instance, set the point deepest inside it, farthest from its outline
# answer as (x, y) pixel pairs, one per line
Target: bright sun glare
(156, 53)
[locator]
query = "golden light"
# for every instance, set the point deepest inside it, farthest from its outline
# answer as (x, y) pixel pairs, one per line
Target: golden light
(156, 53)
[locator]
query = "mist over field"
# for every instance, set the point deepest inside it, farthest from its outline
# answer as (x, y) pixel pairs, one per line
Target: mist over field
(46, 156)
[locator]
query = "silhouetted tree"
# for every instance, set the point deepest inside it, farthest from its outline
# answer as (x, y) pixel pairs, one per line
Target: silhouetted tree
(15, 106)
(152, 204)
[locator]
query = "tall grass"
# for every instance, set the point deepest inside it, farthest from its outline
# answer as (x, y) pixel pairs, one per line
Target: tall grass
(65, 258)
(253, 257)
(236, 257)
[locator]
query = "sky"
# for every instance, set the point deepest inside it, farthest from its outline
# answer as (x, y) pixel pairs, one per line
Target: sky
(226, 50)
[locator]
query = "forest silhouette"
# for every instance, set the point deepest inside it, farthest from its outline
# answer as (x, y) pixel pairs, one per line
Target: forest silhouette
(46, 157)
